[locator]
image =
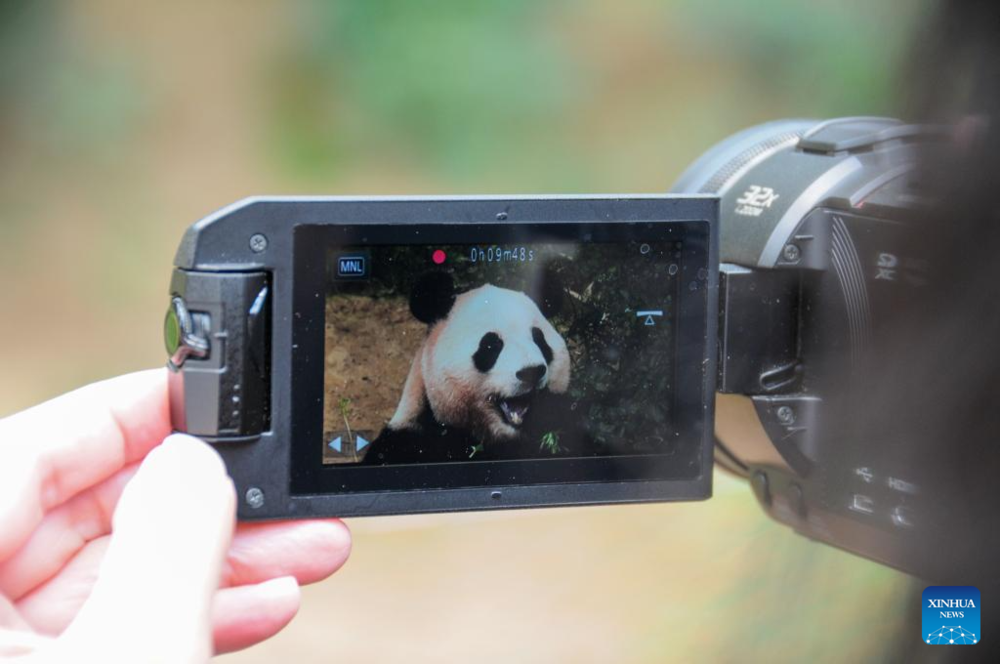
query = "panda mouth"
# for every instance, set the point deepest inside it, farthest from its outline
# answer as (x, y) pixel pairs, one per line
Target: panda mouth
(515, 409)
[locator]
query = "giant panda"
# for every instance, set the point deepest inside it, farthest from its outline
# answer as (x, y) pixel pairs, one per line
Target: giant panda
(488, 382)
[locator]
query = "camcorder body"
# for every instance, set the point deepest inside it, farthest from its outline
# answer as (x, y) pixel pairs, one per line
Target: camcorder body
(379, 356)
(367, 356)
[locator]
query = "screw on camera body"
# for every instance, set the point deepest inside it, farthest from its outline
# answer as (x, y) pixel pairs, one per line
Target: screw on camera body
(791, 253)
(255, 497)
(786, 415)
(258, 243)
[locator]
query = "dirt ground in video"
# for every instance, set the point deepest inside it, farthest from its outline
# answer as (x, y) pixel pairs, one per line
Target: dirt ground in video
(370, 344)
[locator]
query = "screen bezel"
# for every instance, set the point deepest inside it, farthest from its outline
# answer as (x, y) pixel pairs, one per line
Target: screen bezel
(309, 476)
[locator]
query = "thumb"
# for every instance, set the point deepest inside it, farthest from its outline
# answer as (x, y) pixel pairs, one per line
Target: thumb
(170, 532)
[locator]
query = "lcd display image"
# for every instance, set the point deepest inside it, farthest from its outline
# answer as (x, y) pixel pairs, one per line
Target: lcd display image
(491, 352)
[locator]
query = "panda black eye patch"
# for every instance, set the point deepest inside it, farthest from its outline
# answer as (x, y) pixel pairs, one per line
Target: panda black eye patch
(489, 350)
(543, 345)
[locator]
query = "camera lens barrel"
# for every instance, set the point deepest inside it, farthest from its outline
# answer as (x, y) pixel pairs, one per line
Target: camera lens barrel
(817, 247)
(770, 178)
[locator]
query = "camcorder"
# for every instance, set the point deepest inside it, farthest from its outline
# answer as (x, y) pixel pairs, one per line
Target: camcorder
(354, 356)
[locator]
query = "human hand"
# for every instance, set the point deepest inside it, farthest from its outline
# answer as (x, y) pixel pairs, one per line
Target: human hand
(114, 547)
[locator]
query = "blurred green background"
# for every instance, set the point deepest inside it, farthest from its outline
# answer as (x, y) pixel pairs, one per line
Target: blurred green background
(121, 123)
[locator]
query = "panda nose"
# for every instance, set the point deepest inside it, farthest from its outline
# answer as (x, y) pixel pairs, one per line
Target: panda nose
(532, 374)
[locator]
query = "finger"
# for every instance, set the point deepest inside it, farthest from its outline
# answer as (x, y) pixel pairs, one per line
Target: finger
(52, 606)
(246, 615)
(241, 616)
(59, 448)
(10, 616)
(62, 534)
(154, 591)
(308, 551)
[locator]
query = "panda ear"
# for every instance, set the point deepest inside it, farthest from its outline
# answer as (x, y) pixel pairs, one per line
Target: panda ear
(548, 293)
(432, 297)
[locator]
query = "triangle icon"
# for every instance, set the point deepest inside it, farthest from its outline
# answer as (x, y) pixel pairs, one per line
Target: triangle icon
(336, 444)
(361, 442)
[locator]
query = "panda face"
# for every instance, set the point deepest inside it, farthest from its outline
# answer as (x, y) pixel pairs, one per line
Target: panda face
(484, 364)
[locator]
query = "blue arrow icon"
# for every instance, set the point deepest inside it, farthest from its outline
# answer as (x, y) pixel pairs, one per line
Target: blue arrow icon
(336, 443)
(362, 443)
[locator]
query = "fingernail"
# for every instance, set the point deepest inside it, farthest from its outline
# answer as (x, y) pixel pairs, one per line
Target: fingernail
(283, 586)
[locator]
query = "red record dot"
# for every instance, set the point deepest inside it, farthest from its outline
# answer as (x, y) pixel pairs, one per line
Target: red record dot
(438, 256)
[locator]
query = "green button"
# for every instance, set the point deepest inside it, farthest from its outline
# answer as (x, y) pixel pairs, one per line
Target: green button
(172, 331)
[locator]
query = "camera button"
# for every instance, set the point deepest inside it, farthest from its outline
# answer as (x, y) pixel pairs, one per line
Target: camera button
(184, 333)
(761, 488)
